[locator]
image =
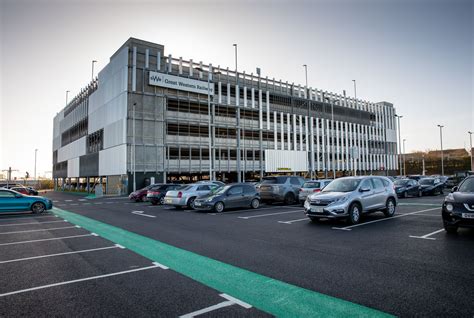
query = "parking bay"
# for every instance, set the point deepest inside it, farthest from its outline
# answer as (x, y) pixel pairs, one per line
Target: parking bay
(377, 265)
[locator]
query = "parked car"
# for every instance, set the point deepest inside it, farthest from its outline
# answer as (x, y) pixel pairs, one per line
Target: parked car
(230, 196)
(458, 206)
(431, 186)
(451, 182)
(416, 177)
(280, 189)
(156, 194)
(406, 187)
(185, 195)
(12, 201)
(33, 191)
(21, 190)
(140, 194)
(219, 183)
(350, 197)
(310, 187)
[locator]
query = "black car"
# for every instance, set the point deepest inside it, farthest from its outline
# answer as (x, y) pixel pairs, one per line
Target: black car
(156, 194)
(406, 187)
(32, 191)
(431, 186)
(458, 206)
(235, 195)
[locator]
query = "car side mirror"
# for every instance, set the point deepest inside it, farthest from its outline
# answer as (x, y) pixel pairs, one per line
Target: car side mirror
(364, 189)
(454, 189)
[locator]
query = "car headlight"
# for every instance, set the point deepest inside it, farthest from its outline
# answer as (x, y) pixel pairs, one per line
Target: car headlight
(341, 200)
(306, 204)
(449, 207)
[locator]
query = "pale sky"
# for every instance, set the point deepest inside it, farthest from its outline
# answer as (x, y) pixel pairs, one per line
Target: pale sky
(416, 54)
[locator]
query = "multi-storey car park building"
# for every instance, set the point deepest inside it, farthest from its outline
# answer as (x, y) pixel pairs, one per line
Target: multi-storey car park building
(152, 117)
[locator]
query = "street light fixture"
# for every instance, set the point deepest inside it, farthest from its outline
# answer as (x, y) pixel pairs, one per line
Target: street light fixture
(306, 74)
(67, 94)
(441, 141)
(93, 61)
(399, 146)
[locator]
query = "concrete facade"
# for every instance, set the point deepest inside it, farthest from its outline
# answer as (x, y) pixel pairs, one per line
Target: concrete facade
(125, 123)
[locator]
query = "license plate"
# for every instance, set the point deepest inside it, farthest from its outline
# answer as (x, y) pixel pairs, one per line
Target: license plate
(318, 209)
(468, 215)
(197, 203)
(169, 201)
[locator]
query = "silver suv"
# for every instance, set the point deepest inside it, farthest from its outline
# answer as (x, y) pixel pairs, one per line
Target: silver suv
(281, 188)
(350, 197)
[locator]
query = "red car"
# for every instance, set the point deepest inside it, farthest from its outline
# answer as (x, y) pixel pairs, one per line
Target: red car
(21, 190)
(139, 195)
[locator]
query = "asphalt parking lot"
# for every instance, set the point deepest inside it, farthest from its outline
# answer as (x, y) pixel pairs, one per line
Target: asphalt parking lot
(404, 266)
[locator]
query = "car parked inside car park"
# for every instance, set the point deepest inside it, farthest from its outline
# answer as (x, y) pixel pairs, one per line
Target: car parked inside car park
(21, 190)
(237, 195)
(351, 197)
(140, 195)
(406, 187)
(185, 195)
(280, 189)
(12, 201)
(458, 206)
(156, 194)
(310, 187)
(431, 186)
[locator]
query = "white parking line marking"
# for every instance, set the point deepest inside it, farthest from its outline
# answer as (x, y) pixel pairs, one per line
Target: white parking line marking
(269, 214)
(77, 280)
(230, 302)
(120, 246)
(98, 203)
(293, 221)
(49, 239)
(161, 265)
(143, 214)
(68, 200)
(74, 204)
(427, 236)
(82, 200)
(25, 216)
(77, 226)
(32, 223)
(349, 228)
(94, 234)
(58, 254)
(259, 209)
(55, 201)
(51, 229)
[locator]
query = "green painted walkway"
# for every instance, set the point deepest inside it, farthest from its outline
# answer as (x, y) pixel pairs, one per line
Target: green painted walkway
(265, 293)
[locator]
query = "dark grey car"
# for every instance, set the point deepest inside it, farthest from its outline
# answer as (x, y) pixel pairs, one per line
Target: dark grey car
(231, 196)
(280, 189)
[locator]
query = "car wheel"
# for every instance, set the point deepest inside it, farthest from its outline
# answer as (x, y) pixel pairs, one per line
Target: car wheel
(138, 200)
(255, 204)
(389, 208)
(355, 211)
(191, 202)
(154, 202)
(441, 191)
(405, 194)
(451, 229)
(289, 199)
(162, 200)
(219, 207)
(38, 207)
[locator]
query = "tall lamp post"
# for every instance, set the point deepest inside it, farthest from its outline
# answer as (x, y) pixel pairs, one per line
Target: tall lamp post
(67, 95)
(93, 62)
(134, 149)
(36, 151)
(239, 176)
(404, 166)
(399, 146)
(331, 102)
(441, 142)
(470, 149)
(306, 74)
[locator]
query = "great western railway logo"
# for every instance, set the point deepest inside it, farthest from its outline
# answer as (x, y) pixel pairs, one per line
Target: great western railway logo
(180, 83)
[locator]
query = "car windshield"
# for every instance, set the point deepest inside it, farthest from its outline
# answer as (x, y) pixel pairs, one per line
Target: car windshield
(467, 186)
(342, 185)
(274, 180)
(311, 185)
(184, 188)
(220, 190)
(400, 182)
(427, 181)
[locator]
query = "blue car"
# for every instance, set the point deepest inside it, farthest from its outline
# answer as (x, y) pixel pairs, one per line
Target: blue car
(12, 201)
